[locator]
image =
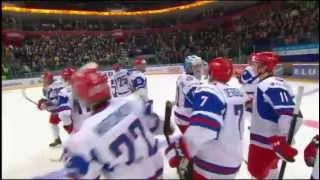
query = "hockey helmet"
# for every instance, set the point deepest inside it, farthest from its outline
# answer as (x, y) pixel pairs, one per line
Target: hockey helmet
(90, 86)
(268, 59)
(220, 69)
(67, 73)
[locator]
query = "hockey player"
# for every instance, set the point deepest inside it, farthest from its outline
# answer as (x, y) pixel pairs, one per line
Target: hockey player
(138, 80)
(249, 78)
(64, 100)
(138, 85)
(185, 86)
(216, 126)
(271, 118)
(114, 141)
(120, 81)
(51, 89)
(311, 156)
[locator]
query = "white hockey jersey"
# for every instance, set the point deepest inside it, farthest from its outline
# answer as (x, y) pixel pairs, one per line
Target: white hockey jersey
(64, 105)
(64, 98)
(138, 84)
(120, 83)
(115, 142)
(272, 111)
(80, 112)
(214, 136)
(185, 86)
(249, 80)
(51, 93)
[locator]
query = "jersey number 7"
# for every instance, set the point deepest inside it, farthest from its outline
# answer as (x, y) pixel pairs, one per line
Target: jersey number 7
(238, 111)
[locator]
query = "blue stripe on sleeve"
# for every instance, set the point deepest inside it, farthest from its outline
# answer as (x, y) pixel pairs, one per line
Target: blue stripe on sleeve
(280, 97)
(209, 102)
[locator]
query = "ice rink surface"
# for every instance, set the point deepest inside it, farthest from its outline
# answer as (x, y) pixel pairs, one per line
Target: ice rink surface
(26, 133)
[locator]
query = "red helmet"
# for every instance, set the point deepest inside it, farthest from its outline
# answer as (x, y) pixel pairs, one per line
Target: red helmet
(220, 69)
(249, 60)
(116, 66)
(269, 59)
(67, 73)
(139, 62)
(47, 78)
(90, 86)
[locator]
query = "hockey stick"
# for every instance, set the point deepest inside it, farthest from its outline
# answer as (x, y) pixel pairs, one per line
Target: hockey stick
(27, 98)
(24, 94)
(292, 126)
(168, 131)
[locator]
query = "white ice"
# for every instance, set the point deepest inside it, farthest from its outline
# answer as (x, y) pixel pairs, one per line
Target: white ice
(26, 133)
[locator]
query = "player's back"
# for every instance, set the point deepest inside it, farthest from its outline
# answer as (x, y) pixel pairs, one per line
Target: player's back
(120, 83)
(273, 97)
(138, 84)
(119, 141)
(226, 149)
(52, 91)
(185, 86)
(52, 94)
(64, 99)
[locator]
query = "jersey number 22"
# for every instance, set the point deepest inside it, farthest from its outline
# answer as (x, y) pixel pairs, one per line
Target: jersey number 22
(135, 130)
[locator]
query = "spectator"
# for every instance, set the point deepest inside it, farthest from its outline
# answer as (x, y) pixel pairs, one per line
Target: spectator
(294, 22)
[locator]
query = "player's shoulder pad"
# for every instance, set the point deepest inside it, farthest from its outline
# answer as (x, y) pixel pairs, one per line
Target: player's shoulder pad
(137, 74)
(66, 90)
(208, 89)
(117, 111)
(58, 83)
(273, 82)
(188, 79)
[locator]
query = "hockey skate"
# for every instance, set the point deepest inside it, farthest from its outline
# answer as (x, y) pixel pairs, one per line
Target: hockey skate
(55, 143)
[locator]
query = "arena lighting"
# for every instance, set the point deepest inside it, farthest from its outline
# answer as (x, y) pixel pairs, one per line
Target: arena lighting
(12, 8)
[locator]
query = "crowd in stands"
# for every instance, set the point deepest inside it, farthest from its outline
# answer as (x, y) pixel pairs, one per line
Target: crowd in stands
(293, 23)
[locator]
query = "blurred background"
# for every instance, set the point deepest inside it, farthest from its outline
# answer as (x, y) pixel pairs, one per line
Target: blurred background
(36, 37)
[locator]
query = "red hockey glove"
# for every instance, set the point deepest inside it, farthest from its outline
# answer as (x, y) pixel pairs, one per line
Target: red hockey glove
(174, 154)
(42, 104)
(282, 148)
(177, 153)
(310, 151)
(68, 128)
(184, 148)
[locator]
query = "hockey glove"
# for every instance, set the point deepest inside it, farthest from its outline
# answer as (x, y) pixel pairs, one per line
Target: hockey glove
(177, 153)
(282, 149)
(42, 104)
(310, 151)
(174, 154)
